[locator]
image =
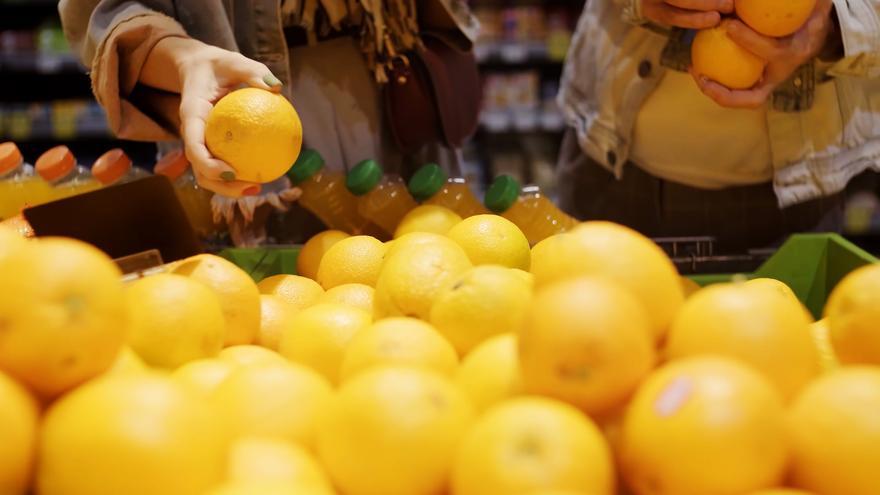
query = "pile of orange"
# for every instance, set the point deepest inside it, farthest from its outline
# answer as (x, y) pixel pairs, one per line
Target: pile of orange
(463, 363)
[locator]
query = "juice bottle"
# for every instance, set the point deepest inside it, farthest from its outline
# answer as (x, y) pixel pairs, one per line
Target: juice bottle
(196, 200)
(382, 199)
(58, 167)
(433, 186)
(324, 193)
(530, 210)
(17, 181)
(115, 167)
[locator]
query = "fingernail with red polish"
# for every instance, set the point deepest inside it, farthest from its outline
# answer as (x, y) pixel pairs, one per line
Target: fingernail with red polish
(251, 191)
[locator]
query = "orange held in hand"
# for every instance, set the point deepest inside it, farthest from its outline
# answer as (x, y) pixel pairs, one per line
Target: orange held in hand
(719, 58)
(257, 132)
(775, 18)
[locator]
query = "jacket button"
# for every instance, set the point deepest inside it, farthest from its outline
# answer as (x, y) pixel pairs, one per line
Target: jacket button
(612, 158)
(645, 68)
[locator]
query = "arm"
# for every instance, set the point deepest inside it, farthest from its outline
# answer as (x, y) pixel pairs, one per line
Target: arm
(142, 62)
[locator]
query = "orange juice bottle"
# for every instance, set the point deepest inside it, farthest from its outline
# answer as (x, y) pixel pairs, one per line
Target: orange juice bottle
(433, 186)
(58, 167)
(324, 193)
(382, 199)
(196, 200)
(530, 210)
(17, 181)
(115, 167)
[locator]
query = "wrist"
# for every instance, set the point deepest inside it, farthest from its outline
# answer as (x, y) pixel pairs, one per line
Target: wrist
(176, 53)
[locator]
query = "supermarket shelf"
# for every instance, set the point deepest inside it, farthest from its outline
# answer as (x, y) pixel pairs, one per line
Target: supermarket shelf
(39, 63)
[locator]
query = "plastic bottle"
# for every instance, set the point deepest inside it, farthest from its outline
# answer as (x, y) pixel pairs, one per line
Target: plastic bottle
(432, 186)
(382, 199)
(530, 210)
(115, 167)
(324, 193)
(19, 187)
(58, 167)
(196, 200)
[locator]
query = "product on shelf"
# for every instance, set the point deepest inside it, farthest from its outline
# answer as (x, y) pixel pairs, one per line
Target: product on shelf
(196, 201)
(528, 208)
(115, 167)
(324, 193)
(432, 186)
(59, 168)
(382, 199)
(18, 184)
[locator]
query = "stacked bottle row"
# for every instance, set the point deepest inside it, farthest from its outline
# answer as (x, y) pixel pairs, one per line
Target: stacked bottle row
(366, 199)
(57, 175)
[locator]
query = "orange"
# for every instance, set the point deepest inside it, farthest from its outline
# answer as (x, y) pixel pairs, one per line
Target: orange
(427, 218)
(780, 491)
(136, 434)
(298, 292)
(835, 428)
(689, 286)
(127, 361)
(275, 316)
(719, 58)
(238, 294)
(490, 373)
(281, 401)
(412, 240)
(261, 459)
(249, 355)
(203, 376)
(492, 240)
(353, 260)
(413, 277)
(358, 296)
(853, 311)
(704, 425)
(174, 320)
(482, 302)
(586, 341)
(528, 444)
(267, 488)
(393, 431)
(63, 312)
(622, 254)
(319, 336)
(257, 132)
(764, 329)
(19, 416)
(401, 342)
(309, 258)
(776, 18)
(828, 360)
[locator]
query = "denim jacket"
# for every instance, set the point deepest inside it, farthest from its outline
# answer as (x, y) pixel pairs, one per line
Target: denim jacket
(114, 37)
(616, 61)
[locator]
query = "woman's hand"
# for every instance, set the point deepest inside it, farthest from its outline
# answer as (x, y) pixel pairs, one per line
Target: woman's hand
(688, 14)
(203, 75)
(783, 56)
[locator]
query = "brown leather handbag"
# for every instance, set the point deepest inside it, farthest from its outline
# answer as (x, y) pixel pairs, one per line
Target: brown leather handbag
(433, 95)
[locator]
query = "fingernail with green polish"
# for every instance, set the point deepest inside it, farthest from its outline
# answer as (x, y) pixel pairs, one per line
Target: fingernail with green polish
(271, 80)
(228, 176)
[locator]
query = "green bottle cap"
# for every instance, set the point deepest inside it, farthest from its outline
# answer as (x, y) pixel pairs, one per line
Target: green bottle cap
(427, 181)
(502, 194)
(309, 163)
(364, 177)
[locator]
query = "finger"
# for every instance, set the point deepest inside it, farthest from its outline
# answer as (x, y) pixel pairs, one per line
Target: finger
(230, 189)
(725, 6)
(687, 19)
(764, 47)
(193, 113)
(726, 97)
(256, 75)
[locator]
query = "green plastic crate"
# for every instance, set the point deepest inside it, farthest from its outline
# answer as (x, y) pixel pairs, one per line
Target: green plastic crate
(811, 264)
(260, 263)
